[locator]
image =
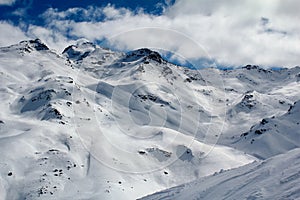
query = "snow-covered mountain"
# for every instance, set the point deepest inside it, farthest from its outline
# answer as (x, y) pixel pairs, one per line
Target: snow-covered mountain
(92, 123)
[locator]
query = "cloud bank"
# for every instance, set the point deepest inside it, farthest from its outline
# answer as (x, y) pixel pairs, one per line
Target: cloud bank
(231, 33)
(10, 34)
(7, 2)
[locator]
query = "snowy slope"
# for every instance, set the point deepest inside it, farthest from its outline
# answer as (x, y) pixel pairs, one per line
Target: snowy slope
(275, 178)
(92, 123)
(273, 135)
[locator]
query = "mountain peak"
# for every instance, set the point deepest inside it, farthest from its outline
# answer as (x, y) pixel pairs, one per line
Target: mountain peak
(249, 67)
(36, 44)
(84, 42)
(80, 50)
(144, 52)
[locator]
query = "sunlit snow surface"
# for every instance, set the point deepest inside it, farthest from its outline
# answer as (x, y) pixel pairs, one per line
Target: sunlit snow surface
(92, 123)
(275, 178)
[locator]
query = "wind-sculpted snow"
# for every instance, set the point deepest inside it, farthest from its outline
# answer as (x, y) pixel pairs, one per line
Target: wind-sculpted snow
(92, 123)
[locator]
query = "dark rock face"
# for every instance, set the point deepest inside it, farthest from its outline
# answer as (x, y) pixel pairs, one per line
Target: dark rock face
(52, 113)
(249, 67)
(255, 67)
(146, 53)
(30, 45)
(38, 99)
(38, 45)
(248, 101)
(74, 54)
(155, 56)
(77, 52)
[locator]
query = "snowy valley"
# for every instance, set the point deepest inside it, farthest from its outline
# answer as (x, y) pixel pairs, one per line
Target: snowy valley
(92, 123)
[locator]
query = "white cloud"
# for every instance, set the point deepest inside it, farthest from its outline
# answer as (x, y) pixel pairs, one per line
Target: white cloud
(85, 14)
(52, 38)
(10, 34)
(111, 12)
(232, 32)
(7, 2)
(90, 13)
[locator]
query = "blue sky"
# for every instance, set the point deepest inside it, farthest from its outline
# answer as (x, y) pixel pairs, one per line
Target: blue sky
(203, 32)
(29, 11)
